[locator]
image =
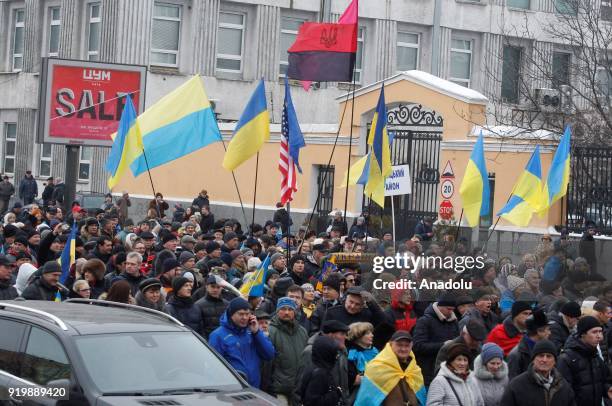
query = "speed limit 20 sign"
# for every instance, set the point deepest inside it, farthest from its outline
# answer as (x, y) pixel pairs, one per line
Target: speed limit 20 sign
(448, 189)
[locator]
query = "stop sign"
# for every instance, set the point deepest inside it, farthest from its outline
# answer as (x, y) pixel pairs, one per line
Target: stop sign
(446, 210)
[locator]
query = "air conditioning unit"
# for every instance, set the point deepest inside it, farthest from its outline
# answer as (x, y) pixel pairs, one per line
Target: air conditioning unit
(548, 99)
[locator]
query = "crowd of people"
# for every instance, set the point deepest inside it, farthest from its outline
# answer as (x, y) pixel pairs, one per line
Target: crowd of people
(532, 332)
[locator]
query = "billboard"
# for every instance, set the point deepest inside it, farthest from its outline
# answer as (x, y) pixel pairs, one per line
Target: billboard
(81, 101)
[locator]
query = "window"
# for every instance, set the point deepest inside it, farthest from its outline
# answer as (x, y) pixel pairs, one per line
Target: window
(230, 42)
(93, 32)
(604, 81)
(524, 4)
(560, 69)
(54, 30)
(407, 51)
(10, 340)
(289, 30)
(461, 61)
(44, 165)
(166, 34)
(511, 69)
(18, 39)
(606, 10)
(10, 140)
(85, 163)
(359, 55)
(569, 7)
(45, 359)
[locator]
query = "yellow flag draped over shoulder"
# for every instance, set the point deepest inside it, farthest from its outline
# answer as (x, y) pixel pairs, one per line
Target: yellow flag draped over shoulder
(252, 130)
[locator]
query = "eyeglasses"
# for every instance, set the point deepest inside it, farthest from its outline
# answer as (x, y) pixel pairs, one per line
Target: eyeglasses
(85, 290)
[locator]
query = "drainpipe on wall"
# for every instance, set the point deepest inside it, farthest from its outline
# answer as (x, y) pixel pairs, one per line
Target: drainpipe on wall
(435, 49)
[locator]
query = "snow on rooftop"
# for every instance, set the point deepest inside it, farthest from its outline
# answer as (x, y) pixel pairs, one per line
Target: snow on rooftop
(517, 133)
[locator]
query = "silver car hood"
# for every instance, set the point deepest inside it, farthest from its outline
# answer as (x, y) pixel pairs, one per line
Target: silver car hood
(245, 397)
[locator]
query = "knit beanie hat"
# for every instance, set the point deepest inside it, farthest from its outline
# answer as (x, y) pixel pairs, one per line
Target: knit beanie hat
(447, 299)
(275, 257)
(236, 305)
(226, 258)
(253, 263)
(456, 350)
(229, 236)
(170, 264)
(286, 302)
(519, 306)
(571, 309)
(490, 351)
(50, 267)
(185, 256)
(544, 347)
(333, 281)
(514, 282)
(584, 324)
(212, 246)
(177, 283)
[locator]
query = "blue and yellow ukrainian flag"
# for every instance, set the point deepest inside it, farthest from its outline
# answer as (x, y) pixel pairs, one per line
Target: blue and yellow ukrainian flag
(527, 195)
(383, 373)
(329, 266)
(127, 145)
(252, 130)
(255, 285)
(474, 188)
(67, 258)
(180, 123)
(559, 173)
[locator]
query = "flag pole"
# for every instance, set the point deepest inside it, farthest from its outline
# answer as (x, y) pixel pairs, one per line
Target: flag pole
(246, 221)
(393, 218)
(151, 180)
(348, 172)
(255, 192)
(458, 226)
(288, 233)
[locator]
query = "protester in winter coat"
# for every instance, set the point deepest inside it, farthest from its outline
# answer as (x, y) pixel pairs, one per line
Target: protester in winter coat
(508, 334)
(331, 298)
(288, 338)
(401, 312)
(132, 273)
(149, 295)
(7, 290)
(80, 290)
(541, 384)
(239, 340)
(181, 306)
(491, 374)
(438, 325)
(318, 386)
(93, 271)
(212, 306)
(6, 191)
(472, 336)
(360, 352)
(455, 385)
(296, 270)
(23, 275)
(481, 311)
(581, 365)
(28, 188)
(45, 284)
(564, 323)
(538, 329)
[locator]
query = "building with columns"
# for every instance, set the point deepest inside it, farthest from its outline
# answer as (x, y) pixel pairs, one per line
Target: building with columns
(231, 44)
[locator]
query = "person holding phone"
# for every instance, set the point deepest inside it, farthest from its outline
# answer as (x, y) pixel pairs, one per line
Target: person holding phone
(241, 342)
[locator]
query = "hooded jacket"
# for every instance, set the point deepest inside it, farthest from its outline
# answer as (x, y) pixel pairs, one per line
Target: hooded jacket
(39, 289)
(585, 371)
(211, 309)
(23, 276)
(526, 390)
(440, 392)
(318, 386)
(160, 306)
(288, 338)
(558, 331)
(241, 348)
(491, 385)
(430, 333)
(402, 315)
(506, 335)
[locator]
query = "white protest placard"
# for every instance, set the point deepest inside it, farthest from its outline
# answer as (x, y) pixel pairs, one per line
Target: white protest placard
(398, 183)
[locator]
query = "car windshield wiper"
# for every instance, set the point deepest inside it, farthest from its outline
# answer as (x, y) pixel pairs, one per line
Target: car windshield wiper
(132, 394)
(184, 391)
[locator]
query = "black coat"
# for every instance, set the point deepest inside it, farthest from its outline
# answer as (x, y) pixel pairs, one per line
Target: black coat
(186, 312)
(207, 223)
(585, 371)
(39, 289)
(519, 358)
(282, 217)
(318, 386)
(47, 194)
(58, 193)
(7, 291)
(28, 189)
(372, 314)
(133, 281)
(319, 315)
(558, 331)
(211, 309)
(524, 390)
(200, 201)
(429, 336)
(587, 250)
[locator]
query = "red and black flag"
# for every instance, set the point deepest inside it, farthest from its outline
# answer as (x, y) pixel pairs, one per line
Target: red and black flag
(325, 52)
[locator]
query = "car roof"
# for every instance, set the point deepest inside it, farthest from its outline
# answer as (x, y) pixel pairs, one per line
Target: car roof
(98, 318)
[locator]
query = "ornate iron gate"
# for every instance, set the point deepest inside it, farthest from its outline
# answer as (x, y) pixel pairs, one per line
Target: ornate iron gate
(325, 178)
(417, 133)
(590, 189)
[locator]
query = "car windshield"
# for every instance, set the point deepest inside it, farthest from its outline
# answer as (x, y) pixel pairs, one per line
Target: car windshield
(152, 362)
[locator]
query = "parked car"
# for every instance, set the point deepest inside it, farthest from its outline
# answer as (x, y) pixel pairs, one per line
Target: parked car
(105, 353)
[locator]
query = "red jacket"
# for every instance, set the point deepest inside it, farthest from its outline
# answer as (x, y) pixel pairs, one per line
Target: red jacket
(402, 314)
(506, 335)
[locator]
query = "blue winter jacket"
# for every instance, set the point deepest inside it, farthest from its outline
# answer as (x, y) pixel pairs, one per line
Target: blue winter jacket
(242, 349)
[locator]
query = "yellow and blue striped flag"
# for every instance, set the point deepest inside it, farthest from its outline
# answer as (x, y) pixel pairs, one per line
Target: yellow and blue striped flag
(527, 195)
(127, 145)
(252, 130)
(559, 173)
(180, 123)
(67, 258)
(474, 189)
(329, 266)
(255, 285)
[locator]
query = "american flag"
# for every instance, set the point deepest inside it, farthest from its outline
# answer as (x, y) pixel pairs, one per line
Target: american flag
(291, 142)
